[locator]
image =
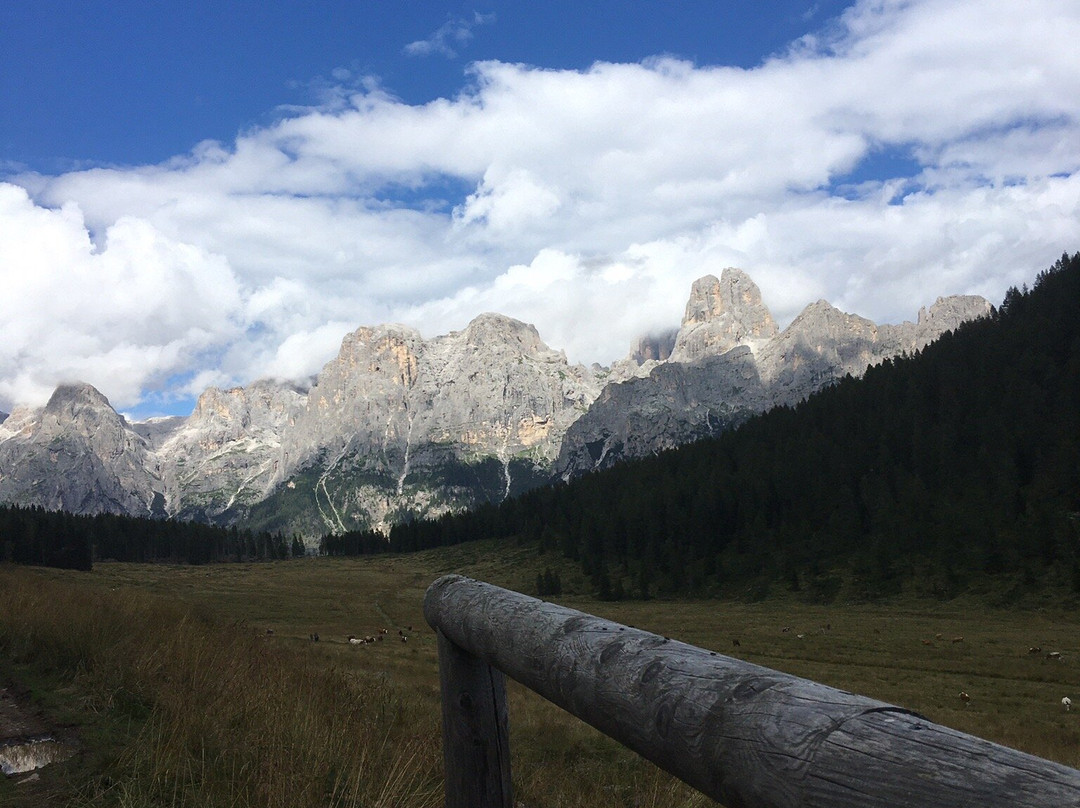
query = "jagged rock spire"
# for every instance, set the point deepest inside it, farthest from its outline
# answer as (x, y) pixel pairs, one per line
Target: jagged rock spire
(722, 314)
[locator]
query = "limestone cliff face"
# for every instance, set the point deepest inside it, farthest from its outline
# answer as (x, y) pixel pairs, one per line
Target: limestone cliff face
(654, 347)
(399, 426)
(359, 399)
(227, 453)
(77, 454)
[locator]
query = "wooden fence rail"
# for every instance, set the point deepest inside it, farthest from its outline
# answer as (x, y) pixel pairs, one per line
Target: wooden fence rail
(745, 735)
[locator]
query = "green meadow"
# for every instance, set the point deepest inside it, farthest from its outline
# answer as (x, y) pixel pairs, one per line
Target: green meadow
(201, 686)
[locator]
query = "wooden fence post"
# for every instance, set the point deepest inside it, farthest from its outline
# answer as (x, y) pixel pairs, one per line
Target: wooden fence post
(476, 746)
(745, 735)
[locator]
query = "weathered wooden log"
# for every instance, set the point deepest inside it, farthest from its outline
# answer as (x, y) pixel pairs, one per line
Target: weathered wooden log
(476, 745)
(745, 735)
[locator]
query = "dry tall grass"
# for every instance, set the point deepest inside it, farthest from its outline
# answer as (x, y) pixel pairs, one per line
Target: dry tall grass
(221, 716)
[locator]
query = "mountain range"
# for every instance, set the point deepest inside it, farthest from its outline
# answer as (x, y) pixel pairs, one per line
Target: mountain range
(398, 426)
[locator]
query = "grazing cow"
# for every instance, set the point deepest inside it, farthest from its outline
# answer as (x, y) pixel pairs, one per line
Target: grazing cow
(355, 641)
(404, 638)
(957, 639)
(1066, 702)
(735, 643)
(964, 697)
(800, 636)
(1053, 655)
(269, 631)
(382, 631)
(1034, 650)
(927, 642)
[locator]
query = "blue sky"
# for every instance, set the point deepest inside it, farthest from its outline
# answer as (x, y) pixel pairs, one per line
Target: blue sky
(198, 194)
(129, 82)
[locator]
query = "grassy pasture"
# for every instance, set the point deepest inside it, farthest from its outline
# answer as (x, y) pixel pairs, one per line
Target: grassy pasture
(386, 693)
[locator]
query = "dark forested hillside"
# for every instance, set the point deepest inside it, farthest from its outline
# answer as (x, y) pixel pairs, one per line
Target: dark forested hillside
(960, 463)
(57, 539)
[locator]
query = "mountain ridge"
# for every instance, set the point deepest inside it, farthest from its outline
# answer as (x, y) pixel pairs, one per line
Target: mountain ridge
(397, 426)
(707, 394)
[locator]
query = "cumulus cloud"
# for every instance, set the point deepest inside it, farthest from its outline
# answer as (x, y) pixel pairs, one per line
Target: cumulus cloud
(453, 34)
(583, 201)
(125, 314)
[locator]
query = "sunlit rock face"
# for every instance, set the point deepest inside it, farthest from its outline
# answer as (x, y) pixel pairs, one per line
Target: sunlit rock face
(227, 455)
(399, 426)
(722, 314)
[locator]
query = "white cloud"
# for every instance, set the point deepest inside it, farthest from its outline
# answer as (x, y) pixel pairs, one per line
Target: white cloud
(585, 202)
(123, 316)
(453, 34)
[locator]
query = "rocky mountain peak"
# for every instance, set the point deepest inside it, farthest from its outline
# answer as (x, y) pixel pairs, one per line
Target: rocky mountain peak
(70, 400)
(227, 452)
(821, 344)
(653, 347)
(383, 351)
(822, 320)
(949, 312)
(214, 403)
(489, 330)
(81, 409)
(76, 453)
(722, 313)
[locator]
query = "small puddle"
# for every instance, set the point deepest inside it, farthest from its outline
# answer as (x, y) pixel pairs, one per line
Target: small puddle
(21, 755)
(27, 741)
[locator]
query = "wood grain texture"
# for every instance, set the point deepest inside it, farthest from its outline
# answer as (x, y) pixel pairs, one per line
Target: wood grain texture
(747, 736)
(476, 747)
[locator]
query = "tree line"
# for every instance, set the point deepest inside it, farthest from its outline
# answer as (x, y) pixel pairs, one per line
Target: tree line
(959, 462)
(33, 535)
